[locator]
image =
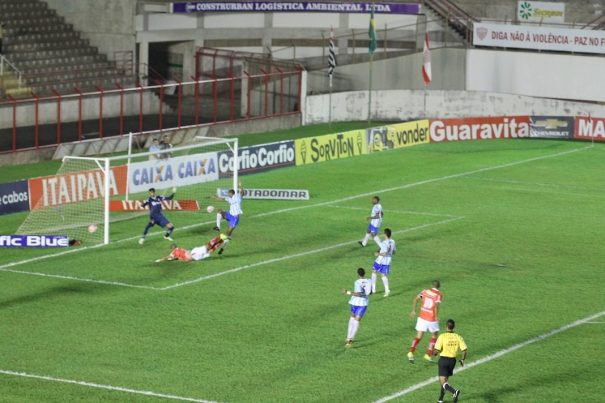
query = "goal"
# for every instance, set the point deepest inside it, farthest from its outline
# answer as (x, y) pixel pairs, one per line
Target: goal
(102, 191)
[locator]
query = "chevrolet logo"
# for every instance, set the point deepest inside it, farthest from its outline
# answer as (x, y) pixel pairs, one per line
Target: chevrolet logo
(550, 123)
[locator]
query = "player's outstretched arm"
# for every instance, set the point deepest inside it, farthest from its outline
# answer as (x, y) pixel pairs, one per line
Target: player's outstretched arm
(240, 188)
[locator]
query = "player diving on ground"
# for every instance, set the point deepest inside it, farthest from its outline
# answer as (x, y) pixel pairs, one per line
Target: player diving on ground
(195, 254)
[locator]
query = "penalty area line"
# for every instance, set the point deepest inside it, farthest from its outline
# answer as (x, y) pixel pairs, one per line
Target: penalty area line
(306, 253)
(399, 211)
(491, 357)
(101, 386)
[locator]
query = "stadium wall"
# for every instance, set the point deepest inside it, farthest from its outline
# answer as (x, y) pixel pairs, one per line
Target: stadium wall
(563, 76)
(405, 105)
(448, 67)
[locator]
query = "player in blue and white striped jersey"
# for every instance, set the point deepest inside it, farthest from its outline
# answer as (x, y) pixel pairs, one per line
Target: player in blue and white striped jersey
(375, 222)
(358, 302)
(232, 216)
(382, 264)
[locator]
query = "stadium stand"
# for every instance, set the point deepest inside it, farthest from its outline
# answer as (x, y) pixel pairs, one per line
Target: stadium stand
(49, 53)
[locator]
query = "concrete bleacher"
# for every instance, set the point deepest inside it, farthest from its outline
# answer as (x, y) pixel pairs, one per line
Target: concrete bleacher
(50, 54)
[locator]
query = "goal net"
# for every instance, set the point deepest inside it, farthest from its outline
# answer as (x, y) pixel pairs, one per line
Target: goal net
(88, 195)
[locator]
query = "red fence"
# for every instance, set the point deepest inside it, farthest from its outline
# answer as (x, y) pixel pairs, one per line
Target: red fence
(45, 121)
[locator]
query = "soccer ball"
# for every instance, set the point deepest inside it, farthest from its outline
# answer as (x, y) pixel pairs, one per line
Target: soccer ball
(210, 209)
(92, 228)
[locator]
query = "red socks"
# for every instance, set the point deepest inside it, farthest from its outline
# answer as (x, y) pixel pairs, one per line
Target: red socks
(431, 345)
(414, 344)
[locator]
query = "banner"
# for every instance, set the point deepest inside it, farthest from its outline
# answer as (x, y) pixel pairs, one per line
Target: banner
(270, 194)
(540, 38)
(34, 241)
(14, 197)
(292, 7)
(589, 128)
(330, 147)
(540, 11)
(398, 135)
(56, 190)
(484, 128)
(137, 205)
(258, 158)
(177, 171)
(551, 127)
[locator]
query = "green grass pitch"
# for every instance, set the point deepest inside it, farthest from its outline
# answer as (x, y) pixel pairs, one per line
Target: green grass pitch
(512, 228)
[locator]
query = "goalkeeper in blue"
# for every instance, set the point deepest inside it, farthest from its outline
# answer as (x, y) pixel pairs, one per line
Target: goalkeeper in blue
(156, 217)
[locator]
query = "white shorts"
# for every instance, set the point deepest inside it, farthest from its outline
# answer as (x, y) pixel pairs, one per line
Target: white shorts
(199, 253)
(426, 326)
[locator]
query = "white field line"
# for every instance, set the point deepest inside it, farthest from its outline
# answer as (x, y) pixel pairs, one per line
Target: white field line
(286, 210)
(306, 253)
(531, 184)
(100, 386)
(86, 280)
(398, 211)
(491, 357)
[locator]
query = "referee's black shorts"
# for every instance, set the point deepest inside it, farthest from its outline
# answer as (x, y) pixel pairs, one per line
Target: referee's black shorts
(446, 366)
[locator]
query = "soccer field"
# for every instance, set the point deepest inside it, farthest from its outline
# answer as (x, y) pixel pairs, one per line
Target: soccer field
(512, 229)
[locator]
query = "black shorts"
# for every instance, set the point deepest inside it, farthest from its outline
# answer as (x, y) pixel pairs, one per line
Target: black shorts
(446, 366)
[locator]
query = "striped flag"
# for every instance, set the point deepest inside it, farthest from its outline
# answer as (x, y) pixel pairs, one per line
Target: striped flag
(426, 61)
(372, 33)
(331, 56)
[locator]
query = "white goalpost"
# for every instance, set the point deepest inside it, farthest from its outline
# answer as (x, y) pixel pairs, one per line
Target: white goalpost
(88, 194)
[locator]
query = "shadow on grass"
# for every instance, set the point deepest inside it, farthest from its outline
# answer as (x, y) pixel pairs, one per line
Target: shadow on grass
(503, 394)
(63, 291)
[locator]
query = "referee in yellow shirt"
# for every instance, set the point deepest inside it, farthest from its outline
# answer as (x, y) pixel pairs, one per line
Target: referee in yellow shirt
(448, 345)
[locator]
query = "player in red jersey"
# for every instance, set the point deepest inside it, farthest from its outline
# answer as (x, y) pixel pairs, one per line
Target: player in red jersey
(198, 253)
(427, 319)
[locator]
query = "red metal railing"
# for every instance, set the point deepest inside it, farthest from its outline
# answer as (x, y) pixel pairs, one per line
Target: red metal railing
(48, 120)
